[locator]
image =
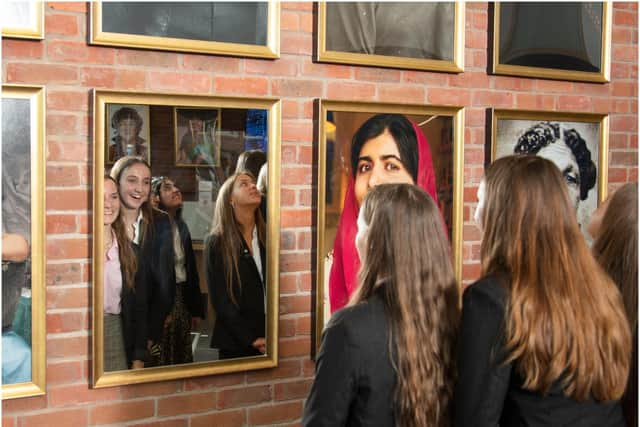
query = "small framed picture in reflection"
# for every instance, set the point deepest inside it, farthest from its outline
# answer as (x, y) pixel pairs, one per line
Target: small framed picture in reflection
(128, 132)
(197, 136)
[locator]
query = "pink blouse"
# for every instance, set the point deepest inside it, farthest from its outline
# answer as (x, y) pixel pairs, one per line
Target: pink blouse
(112, 279)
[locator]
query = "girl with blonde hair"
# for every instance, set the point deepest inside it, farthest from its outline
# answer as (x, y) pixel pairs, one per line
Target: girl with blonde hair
(235, 268)
(388, 358)
(543, 339)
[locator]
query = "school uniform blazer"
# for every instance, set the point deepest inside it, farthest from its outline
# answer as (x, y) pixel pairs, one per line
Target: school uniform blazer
(156, 272)
(355, 381)
(236, 327)
(191, 288)
(490, 393)
(134, 312)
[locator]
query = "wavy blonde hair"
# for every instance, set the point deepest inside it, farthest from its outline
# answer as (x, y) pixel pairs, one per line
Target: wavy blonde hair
(408, 260)
(565, 319)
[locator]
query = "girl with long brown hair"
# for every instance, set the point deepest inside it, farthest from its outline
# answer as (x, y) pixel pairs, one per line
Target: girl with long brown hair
(235, 268)
(388, 358)
(543, 338)
(150, 231)
(615, 229)
(119, 303)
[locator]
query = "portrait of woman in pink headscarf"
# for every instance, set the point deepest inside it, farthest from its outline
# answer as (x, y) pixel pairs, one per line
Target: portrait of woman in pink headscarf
(387, 148)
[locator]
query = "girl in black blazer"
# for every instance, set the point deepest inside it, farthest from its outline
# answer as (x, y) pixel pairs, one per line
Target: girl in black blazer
(235, 268)
(543, 340)
(387, 359)
(150, 230)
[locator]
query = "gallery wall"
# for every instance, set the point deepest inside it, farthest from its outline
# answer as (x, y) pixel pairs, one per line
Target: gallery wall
(70, 69)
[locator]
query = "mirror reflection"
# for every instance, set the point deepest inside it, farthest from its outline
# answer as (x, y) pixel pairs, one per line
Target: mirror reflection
(184, 210)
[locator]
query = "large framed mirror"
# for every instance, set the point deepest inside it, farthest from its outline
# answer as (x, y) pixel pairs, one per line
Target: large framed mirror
(206, 156)
(23, 241)
(441, 127)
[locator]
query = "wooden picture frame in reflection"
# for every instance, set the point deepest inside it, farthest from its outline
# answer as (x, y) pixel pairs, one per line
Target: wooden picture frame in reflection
(443, 131)
(412, 35)
(226, 28)
(553, 40)
(128, 132)
(23, 241)
(196, 190)
(22, 19)
(576, 142)
(197, 136)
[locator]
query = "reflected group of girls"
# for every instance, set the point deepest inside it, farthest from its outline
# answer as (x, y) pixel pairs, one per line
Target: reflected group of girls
(152, 299)
(543, 338)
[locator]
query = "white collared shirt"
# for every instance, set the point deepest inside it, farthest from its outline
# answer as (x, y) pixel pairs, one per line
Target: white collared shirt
(136, 229)
(255, 248)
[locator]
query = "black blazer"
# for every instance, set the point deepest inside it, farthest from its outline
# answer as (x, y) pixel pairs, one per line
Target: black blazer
(236, 327)
(156, 272)
(191, 289)
(355, 381)
(134, 312)
(490, 393)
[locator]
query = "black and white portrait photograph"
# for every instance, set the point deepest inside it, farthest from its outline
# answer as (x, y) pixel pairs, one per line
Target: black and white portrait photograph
(231, 28)
(574, 146)
(418, 35)
(128, 132)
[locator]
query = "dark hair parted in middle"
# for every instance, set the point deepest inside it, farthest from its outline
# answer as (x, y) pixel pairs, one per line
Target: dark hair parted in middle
(407, 257)
(565, 319)
(545, 133)
(402, 132)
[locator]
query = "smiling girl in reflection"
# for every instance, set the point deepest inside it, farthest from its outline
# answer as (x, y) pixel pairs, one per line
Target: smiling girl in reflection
(388, 358)
(151, 231)
(122, 304)
(235, 268)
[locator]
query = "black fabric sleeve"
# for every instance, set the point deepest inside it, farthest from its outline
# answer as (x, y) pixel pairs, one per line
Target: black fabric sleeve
(162, 291)
(192, 294)
(226, 311)
(336, 382)
(483, 379)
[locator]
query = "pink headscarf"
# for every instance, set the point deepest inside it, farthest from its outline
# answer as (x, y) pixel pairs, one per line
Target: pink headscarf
(346, 262)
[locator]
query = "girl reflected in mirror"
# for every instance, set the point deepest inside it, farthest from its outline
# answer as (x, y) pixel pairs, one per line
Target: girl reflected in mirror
(235, 267)
(387, 148)
(388, 358)
(544, 339)
(124, 344)
(150, 230)
(614, 227)
(188, 309)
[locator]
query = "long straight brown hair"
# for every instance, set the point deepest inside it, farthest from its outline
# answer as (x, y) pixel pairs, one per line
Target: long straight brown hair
(128, 259)
(616, 246)
(227, 235)
(407, 260)
(565, 318)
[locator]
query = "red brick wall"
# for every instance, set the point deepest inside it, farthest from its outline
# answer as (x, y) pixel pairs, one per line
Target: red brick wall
(70, 69)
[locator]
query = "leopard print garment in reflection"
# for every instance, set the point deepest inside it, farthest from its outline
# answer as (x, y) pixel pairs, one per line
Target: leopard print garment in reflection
(175, 346)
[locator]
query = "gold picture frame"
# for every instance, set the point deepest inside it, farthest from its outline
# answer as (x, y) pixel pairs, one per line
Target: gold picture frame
(158, 35)
(445, 53)
(444, 128)
(102, 98)
(585, 160)
(25, 19)
(34, 130)
(575, 60)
